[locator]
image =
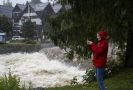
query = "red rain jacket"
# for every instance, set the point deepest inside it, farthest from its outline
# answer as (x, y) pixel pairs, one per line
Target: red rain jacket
(100, 51)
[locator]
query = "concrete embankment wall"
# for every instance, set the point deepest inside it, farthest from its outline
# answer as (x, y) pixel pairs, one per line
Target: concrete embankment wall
(5, 49)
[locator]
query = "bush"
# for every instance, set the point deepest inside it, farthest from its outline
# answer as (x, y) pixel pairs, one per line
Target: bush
(9, 83)
(89, 76)
(111, 69)
(16, 41)
(24, 40)
(30, 42)
(74, 81)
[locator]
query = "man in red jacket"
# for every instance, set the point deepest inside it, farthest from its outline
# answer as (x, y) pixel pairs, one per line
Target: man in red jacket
(100, 56)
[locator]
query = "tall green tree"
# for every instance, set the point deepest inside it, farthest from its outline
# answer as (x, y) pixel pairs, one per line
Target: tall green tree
(6, 25)
(89, 17)
(26, 3)
(28, 29)
(35, 1)
(47, 27)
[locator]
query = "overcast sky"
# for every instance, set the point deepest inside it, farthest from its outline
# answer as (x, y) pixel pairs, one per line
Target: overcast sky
(14, 2)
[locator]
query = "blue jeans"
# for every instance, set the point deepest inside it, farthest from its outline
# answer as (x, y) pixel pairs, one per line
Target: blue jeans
(99, 75)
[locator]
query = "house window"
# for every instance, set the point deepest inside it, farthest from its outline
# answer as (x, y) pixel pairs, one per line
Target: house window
(17, 14)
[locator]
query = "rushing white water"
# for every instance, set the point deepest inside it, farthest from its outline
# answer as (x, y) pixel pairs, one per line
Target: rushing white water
(38, 69)
(43, 71)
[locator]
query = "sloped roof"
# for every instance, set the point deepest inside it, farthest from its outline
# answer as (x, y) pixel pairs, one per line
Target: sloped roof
(40, 14)
(21, 6)
(6, 10)
(58, 7)
(67, 7)
(39, 6)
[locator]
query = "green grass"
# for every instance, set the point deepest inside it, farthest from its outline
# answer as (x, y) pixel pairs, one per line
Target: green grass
(121, 81)
(28, 41)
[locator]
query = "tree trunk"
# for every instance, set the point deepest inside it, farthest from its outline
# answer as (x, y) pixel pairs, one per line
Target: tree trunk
(129, 49)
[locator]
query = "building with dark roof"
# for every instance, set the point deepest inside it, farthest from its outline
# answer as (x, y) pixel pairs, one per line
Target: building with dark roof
(6, 10)
(36, 12)
(21, 6)
(58, 7)
(16, 13)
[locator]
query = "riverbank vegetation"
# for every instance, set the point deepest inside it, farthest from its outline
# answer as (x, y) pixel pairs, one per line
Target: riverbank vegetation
(9, 82)
(123, 80)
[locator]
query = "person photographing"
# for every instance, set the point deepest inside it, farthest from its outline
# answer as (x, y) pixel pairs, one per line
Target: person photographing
(100, 56)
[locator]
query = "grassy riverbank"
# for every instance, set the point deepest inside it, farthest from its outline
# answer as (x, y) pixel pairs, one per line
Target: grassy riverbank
(121, 81)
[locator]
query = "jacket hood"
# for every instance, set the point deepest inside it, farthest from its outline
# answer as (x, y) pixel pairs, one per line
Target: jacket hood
(102, 34)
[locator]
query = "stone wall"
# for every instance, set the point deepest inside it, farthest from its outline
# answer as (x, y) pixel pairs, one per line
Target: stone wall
(5, 49)
(14, 48)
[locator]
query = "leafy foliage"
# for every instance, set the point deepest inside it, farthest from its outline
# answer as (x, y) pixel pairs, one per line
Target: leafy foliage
(9, 83)
(16, 41)
(113, 67)
(47, 27)
(26, 41)
(89, 76)
(74, 81)
(6, 25)
(85, 19)
(28, 29)
(30, 42)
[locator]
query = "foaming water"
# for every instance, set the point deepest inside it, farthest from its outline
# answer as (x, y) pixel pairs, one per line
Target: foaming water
(38, 69)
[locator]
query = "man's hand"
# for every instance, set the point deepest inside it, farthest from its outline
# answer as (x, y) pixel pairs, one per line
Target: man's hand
(89, 42)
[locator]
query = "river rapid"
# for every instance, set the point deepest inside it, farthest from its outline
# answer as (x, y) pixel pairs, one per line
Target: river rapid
(38, 69)
(46, 68)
